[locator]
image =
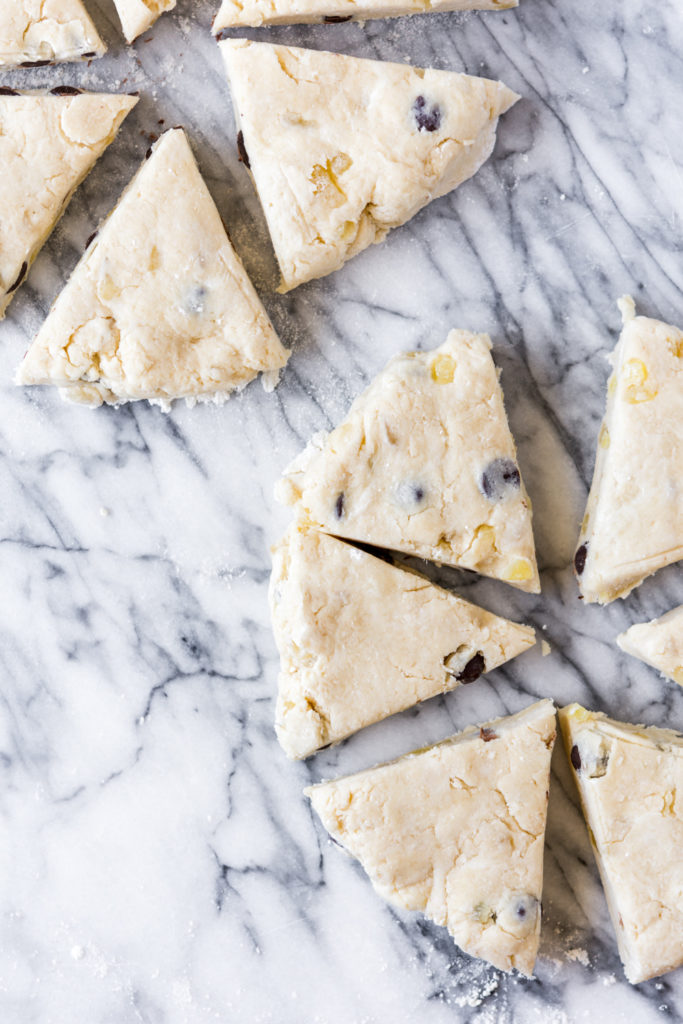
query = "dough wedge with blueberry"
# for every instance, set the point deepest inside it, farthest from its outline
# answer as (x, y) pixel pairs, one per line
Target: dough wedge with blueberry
(425, 464)
(365, 639)
(37, 32)
(633, 524)
(253, 13)
(48, 145)
(137, 16)
(630, 779)
(343, 149)
(658, 643)
(159, 306)
(456, 831)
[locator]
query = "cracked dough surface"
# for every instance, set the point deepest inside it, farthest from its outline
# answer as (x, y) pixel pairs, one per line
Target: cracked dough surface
(456, 831)
(48, 144)
(235, 13)
(630, 779)
(159, 306)
(634, 517)
(658, 643)
(138, 15)
(336, 149)
(46, 30)
(360, 639)
(425, 463)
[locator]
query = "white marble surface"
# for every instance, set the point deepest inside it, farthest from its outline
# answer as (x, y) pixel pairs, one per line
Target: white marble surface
(158, 862)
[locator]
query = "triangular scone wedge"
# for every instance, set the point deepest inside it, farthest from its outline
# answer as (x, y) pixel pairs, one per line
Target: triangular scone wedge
(361, 639)
(634, 517)
(48, 144)
(658, 643)
(252, 13)
(343, 149)
(425, 463)
(159, 306)
(37, 32)
(630, 779)
(456, 831)
(137, 16)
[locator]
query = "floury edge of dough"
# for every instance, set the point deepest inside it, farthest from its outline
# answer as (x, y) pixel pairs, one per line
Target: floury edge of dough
(457, 831)
(343, 149)
(137, 16)
(48, 144)
(159, 306)
(361, 639)
(425, 464)
(46, 32)
(658, 643)
(630, 779)
(253, 13)
(633, 524)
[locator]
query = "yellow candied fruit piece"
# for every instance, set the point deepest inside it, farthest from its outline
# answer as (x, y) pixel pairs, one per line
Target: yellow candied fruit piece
(584, 523)
(349, 230)
(484, 542)
(579, 714)
(612, 384)
(443, 369)
(634, 376)
(324, 178)
(678, 675)
(107, 290)
(603, 439)
(154, 259)
(519, 571)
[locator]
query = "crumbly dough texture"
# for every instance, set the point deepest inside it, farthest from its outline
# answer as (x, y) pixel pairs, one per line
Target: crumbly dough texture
(138, 15)
(634, 517)
(425, 463)
(159, 306)
(48, 144)
(456, 831)
(658, 643)
(361, 639)
(630, 779)
(343, 149)
(252, 13)
(46, 32)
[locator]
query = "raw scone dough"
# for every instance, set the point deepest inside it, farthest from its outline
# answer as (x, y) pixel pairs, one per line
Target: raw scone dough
(343, 149)
(425, 463)
(360, 639)
(234, 13)
(457, 832)
(634, 517)
(631, 783)
(159, 306)
(658, 643)
(34, 32)
(138, 15)
(48, 144)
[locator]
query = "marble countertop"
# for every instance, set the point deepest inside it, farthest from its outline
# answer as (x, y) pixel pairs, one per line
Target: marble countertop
(158, 862)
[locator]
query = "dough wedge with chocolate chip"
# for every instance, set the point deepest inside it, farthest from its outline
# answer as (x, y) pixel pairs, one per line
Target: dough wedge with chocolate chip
(633, 524)
(137, 16)
(425, 464)
(35, 32)
(48, 144)
(159, 306)
(630, 778)
(658, 643)
(343, 149)
(361, 639)
(253, 13)
(456, 831)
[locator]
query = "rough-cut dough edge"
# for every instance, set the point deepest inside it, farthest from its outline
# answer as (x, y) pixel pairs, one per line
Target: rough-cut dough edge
(131, 31)
(72, 57)
(32, 255)
(626, 645)
(340, 12)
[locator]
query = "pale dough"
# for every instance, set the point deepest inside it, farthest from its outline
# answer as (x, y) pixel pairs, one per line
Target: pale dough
(46, 32)
(658, 643)
(243, 13)
(138, 15)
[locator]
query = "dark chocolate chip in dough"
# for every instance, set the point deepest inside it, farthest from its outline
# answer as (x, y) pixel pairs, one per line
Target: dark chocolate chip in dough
(580, 558)
(242, 151)
(473, 669)
(6, 91)
(499, 478)
(336, 19)
(66, 90)
(427, 115)
(87, 56)
(20, 278)
(487, 735)
(339, 506)
(575, 758)
(35, 64)
(91, 239)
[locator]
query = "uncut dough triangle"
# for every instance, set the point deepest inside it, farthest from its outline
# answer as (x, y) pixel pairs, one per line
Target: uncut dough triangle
(361, 639)
(425, 463)
(630, 779)
(137, 16)
(343, 149)
(456, 831)
(159, 306)
(634, 517)
(252, 13)
(48, 144)
(658, 643)
(45, 32)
